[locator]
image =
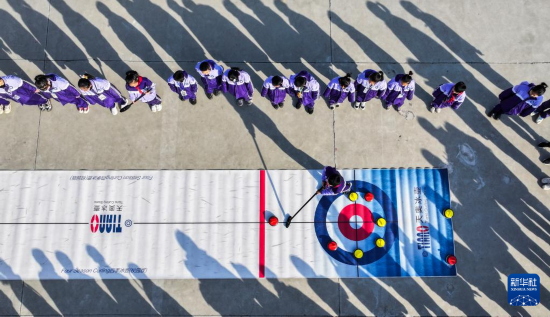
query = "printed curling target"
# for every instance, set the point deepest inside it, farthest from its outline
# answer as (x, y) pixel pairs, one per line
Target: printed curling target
(356, 224)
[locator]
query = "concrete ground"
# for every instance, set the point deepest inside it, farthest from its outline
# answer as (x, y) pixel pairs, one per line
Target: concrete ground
(501, 224)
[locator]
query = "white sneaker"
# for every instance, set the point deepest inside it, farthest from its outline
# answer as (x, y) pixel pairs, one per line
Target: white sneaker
(159, 107)
(432, 110)
(533, 114)
(87, 109)
(356, 105)
(438, 110)
(363, 105)
(114, 111)
(125, 103)
(7, 108)
(81, 110)
(337, 105)
(154, 108)
(1, 109)
(546, 186)
(331, 107)
(545, 180)
(539, 120)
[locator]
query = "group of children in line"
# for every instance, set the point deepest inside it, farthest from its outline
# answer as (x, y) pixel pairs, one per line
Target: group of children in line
(91, 90)
(523, 99)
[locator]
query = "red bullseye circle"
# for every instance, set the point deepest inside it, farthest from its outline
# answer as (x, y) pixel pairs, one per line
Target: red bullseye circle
(345, 222)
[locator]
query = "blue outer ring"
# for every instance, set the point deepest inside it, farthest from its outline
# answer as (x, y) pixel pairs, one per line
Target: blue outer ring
(369, 256)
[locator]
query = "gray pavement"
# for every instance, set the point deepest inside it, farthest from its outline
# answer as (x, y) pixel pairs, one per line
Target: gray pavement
(501, 224)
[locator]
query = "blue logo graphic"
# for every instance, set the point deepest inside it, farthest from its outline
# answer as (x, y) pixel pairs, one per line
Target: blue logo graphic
(523, 289)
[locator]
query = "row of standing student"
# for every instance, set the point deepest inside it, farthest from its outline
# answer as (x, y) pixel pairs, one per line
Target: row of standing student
(523, 99)
(369, 84)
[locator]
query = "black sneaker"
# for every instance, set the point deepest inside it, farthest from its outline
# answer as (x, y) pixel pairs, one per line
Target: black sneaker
(193, 101)
(496, 116)
(544, 144)
(181, 98)
(298, 104)
(276, 106)
(309, 110)
(217, 92)
(209, 96)
(42, 107)
(490, 114)
(546, 161)
(281, 104)
(249, 102)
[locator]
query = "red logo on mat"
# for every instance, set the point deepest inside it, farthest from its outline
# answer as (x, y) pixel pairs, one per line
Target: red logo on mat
(94, 223)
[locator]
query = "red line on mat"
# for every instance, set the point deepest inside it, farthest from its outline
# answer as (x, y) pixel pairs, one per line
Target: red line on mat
(262, 224)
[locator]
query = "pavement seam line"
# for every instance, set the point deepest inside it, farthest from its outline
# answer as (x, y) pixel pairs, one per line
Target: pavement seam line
(21, 297)
(282, 62)
(44, 70)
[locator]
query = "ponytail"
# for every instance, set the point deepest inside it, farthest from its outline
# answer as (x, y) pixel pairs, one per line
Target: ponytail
(345, 81)
(407, 78)
(540, 89)
(87, 76)
(376, 77)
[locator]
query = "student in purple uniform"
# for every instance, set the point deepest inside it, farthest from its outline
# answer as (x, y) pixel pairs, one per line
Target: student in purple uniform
(58, 88)
(448, 95)
(16, 89)
(184, 85)
(520, 100)
(369, 84)
(237, 82)
(211, 77)
(306, 89)
(333, 182)
(100, 91)
(338, 89)
(401, 87)
(275, 89)
(138, 86)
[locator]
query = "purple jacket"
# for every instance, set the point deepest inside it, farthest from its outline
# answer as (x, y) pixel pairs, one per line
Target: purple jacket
(242, 88)
(186, 88)
(144, 84)
(517, 101)
(336, 94)
(366, 91)
(442, 97)
(214, 80)
(62, 91)
(310, 92)
(328, 171)
(275, 94)
(396, 93)
(102, 93)
(19, 90)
